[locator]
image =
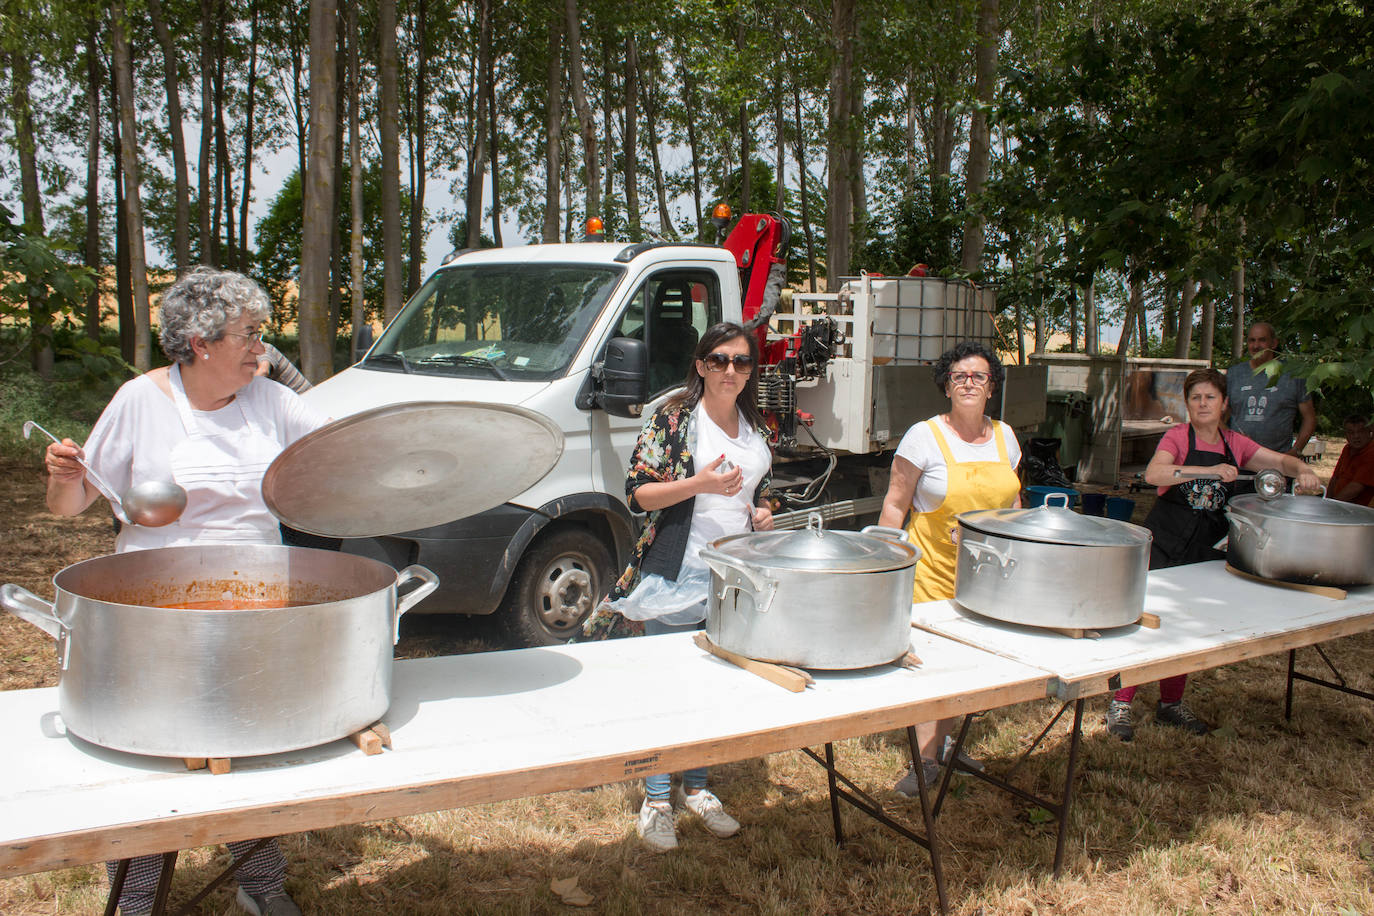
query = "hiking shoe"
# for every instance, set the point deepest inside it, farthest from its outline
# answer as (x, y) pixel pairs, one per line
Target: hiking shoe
(907, 784)
(1180, 716)
(964, 760)
(1119, 720)
(706, 806)
(657, 826)
(274, 904)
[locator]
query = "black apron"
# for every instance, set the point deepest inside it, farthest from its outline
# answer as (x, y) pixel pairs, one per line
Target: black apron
(1191, 516)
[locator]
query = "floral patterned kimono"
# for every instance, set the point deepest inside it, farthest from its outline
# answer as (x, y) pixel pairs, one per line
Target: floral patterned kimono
(663, 453)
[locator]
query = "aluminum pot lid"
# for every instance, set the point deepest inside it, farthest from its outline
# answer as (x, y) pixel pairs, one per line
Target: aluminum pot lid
(1056, 525)
(409, 466)
(1297, 508)
(815, 549)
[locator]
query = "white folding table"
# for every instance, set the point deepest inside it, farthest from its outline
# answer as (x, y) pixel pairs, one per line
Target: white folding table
(471, 729)
(1208, 617)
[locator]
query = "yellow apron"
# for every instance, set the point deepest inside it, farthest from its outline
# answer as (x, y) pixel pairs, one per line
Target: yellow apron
(972, 485)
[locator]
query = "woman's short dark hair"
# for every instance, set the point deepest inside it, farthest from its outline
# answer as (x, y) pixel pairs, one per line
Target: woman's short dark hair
(962, 351)
(694, 386)
(1210, 376)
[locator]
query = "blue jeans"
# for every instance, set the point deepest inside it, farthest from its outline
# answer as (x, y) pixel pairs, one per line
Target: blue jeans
(659, 787)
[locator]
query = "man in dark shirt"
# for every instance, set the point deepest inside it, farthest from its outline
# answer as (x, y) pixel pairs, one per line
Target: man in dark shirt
(1353, 479)
(1267, 409)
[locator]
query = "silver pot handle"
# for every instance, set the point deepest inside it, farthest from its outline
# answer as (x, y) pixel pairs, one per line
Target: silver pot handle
(25, 605)
(883, 531)
(1261, 535)
(428, 583)
(981, 551)
(1063, 497)
(763, 588)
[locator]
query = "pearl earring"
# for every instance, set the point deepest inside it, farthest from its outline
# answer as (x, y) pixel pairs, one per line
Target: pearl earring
(205, 356)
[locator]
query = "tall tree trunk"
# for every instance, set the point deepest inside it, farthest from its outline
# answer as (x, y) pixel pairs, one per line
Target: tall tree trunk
(248, 130)
(477, 162)
(1238, 303)
(608, 145)
(553, 127)
(586, 121)
(632, 138)
(1073, 319)
(209, 27)
(858, 194)
(1183, 343)
(800, 138)
(779, 148)
(1206, 333)
(299, 102)
(1135, 306)
(420, 119)
(339, 271)
(223, 167)
(689, 99)
(841, 139)
(138, 265)
(909, 147)
(493, 124)
(92, 253)
(181, 232)
(1143, 321)
(40, 315)
(355, 187)
(389, 108)
(1091, 344)
(1038, 304)
(317, 351)
(979, 146)
(124, 284)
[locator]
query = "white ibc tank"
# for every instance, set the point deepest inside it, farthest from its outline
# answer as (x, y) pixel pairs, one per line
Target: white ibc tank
(915, 319)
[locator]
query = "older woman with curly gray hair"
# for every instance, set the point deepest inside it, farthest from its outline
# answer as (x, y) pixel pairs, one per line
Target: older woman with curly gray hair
(210, 424)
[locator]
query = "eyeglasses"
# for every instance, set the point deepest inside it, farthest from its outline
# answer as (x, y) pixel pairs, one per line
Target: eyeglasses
(716, 362)
(977, 378)
(248, 339)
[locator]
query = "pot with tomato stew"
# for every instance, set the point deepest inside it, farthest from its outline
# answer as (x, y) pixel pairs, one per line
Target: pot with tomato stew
(223, 651)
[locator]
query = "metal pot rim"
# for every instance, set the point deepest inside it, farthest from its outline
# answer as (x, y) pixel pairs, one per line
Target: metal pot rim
(815, 551)
(1305, 510)
(1052, 525)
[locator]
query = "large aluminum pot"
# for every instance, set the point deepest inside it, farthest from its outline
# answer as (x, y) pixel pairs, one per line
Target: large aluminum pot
(1302, 539)
(142, 677)
(1051, 567)
(812, 598)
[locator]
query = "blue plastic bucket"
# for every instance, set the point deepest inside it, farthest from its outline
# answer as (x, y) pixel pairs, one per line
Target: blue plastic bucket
(1120, 508)
(1094, 503)
(1035, 495)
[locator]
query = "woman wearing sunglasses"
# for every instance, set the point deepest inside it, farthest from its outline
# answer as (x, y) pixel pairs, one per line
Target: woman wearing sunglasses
(700, 472)
(956, 461)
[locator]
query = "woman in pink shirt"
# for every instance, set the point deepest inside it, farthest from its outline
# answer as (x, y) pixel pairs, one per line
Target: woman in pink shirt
(1189, 516)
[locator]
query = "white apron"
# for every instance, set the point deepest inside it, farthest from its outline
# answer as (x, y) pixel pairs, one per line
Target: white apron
(221, 472)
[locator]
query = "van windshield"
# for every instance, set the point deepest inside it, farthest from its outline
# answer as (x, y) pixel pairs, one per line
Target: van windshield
(521, 322)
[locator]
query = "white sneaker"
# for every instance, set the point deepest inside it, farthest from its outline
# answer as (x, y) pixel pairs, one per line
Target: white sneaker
(706, 806)
(657, 826)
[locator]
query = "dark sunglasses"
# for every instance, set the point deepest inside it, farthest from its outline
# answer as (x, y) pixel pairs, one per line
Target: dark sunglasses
(716, 362)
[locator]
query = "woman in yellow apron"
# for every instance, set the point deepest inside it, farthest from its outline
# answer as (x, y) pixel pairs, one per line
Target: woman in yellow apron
(954, 462)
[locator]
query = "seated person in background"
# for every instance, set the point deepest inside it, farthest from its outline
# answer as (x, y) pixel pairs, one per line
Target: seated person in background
(1353, 479)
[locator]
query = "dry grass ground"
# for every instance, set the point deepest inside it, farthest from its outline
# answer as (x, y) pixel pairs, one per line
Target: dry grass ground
(1267, 817)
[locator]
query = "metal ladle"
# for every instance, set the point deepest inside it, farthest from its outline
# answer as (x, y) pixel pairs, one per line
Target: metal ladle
(1269, 483)
(152, 504)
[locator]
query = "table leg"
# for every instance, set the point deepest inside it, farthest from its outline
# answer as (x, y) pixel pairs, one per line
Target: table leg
(164, 883)
(1066, 804)
(834, 794)
(1288, 692)
(928, 815)
(116, 887)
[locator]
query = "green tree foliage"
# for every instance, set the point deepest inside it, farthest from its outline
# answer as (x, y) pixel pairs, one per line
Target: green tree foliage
(1153, 137)
(279, 245)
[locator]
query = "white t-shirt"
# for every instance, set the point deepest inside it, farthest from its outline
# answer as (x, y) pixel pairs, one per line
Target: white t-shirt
(920, 448)
(714, 515)
(135, 435)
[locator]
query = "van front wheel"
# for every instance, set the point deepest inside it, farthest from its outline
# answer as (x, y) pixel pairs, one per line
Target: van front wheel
(556, 585)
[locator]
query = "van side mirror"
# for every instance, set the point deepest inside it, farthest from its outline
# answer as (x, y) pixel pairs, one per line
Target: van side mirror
(624, 377)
